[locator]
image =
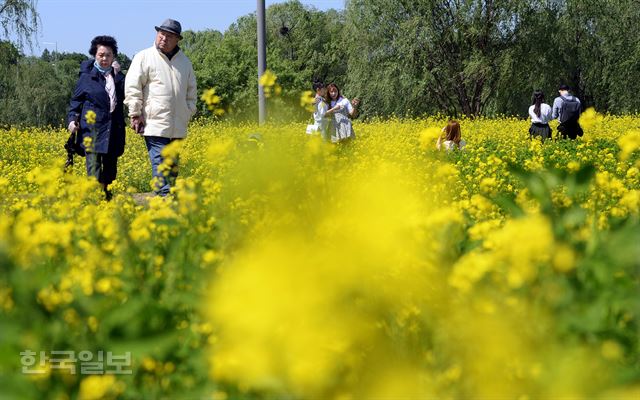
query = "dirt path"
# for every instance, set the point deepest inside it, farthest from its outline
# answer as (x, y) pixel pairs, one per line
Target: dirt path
(142, 198)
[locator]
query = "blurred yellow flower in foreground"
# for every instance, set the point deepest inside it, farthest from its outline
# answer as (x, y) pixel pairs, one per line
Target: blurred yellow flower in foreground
(212, 100)
(428, 137)
(629, 143)
(564, 258)
(344, 272)
(589, 118)
(307, 100)
(268, 78)
(268, 82)
(210, 97)
(98, 387)
(611, 350)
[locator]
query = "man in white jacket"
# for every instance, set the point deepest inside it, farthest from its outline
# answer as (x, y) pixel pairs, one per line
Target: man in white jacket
(160, 91)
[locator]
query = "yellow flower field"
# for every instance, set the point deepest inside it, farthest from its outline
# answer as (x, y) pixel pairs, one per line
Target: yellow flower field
(285, 267)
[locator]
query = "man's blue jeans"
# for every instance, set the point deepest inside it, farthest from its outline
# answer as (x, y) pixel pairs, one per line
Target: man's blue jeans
(162, 183)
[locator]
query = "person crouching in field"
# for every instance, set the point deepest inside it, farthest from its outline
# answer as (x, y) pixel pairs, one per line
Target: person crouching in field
(342, 111)
(452, 137)
(96, 111)
(540, 113)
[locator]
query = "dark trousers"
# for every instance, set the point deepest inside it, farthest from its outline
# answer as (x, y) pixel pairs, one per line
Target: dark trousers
(570, 129)
(103, 166)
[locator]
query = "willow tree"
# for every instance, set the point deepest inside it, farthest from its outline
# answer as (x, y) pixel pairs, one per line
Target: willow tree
(429, 55)
(19, 20)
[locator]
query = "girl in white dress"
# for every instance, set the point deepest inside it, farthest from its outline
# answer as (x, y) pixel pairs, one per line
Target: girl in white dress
(342, 111)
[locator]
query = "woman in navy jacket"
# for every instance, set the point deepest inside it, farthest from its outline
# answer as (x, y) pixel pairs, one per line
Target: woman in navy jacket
(99, 95)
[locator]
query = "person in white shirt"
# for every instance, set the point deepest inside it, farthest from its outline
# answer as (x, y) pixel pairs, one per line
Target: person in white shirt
(342, 111)
(540, 113)
(160, 91)
(452, 137)
(320, 121)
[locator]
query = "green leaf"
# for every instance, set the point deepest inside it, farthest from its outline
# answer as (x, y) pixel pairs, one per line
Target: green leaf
(508, 205)
(158, 345)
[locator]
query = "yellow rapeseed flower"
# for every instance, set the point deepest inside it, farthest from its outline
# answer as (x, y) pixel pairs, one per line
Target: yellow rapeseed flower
(148, 364)
(209, 257)
(573, 166)
(589, 118)
(267, 79)
(611, 350)
(427, 137)
(564, 258)
(212, 100)
(629, 143)
(219, 395)
(489, 186)
(268, 83)
(210, 97)
(107, 284)
(92, 323)
(330, 260)
(307, 100)
(6, 301)
(98, 387)
(88, 143)
(90, 116)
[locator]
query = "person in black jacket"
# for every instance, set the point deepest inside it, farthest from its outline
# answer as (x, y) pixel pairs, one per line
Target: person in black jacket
(96, 112)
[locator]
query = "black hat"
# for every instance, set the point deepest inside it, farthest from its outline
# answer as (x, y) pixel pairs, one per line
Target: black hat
(564, 87)
(171, 25)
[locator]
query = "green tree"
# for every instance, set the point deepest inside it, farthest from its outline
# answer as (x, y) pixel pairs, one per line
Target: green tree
(35, 91)
(429, 55)
(486, 57)
(305, 43)
(605, 42)
(41, 92)
(302, 43)
(535, 60)
(9, 56)
(227, 62)
(123, 59)
(46, 56)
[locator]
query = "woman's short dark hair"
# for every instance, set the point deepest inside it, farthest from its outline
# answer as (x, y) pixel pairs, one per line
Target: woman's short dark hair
(106, 41)
(317, 85)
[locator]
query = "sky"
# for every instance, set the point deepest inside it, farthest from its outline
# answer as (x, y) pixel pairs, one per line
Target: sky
(69, 25)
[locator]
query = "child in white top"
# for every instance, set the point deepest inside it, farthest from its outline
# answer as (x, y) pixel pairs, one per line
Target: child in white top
(452, 137)
(320, 121)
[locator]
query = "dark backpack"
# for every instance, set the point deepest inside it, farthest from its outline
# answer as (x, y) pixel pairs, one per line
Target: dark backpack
(570, 110)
